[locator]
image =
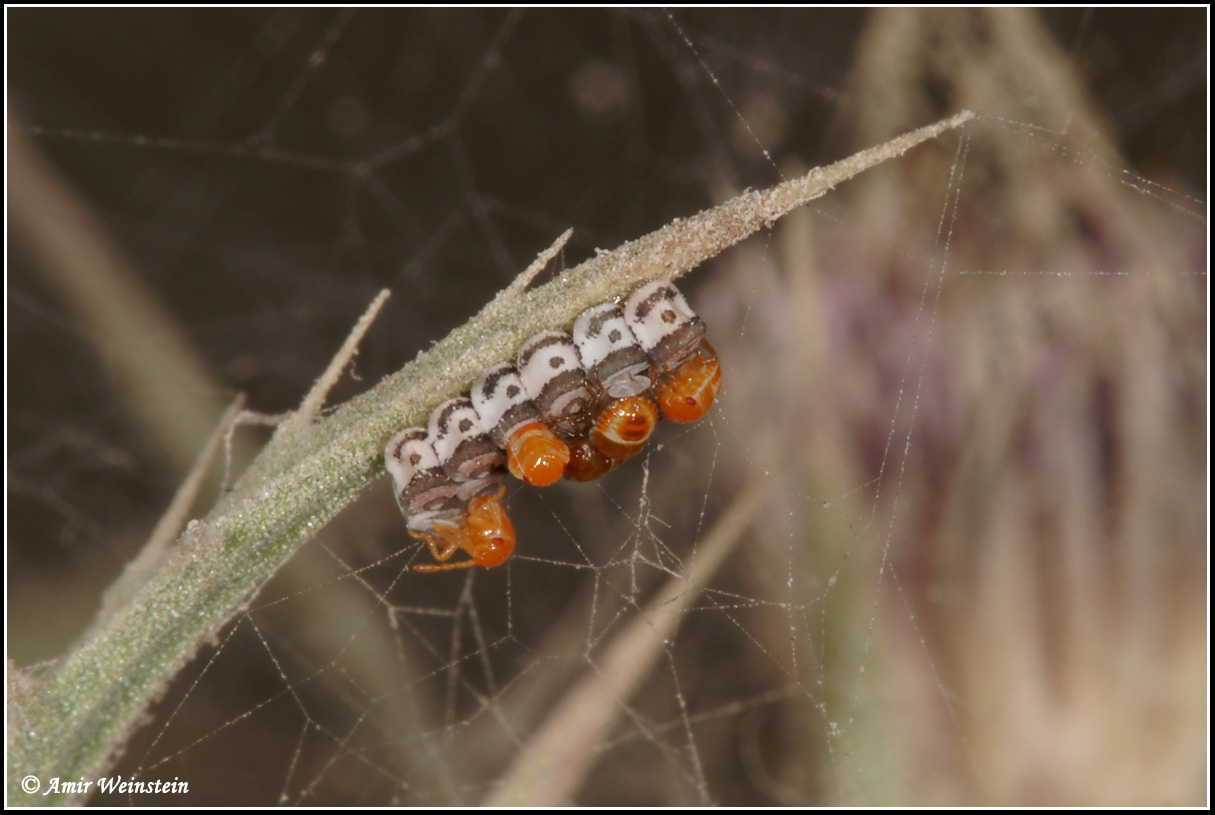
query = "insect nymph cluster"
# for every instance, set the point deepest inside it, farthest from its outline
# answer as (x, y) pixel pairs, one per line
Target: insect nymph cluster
(573, 405)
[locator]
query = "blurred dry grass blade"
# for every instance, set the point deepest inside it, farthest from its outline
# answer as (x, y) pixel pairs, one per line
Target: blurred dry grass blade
(552, 765)
(165, 384)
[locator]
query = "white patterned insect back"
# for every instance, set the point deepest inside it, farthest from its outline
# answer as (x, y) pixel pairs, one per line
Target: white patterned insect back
(573, 407)
(424, 492)
(686, 369)
(554, 378)
(437, 515)
(466, 452)
(610, 353)
(534, 453)
(624, 413)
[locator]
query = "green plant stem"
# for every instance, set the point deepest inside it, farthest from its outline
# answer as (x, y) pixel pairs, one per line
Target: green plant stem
(69, 720)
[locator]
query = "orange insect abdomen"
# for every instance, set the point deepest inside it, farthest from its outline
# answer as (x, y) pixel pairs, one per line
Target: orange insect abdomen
(490, 534)
(534, 454)
(625, 426)
(687, 394)
(587, 463)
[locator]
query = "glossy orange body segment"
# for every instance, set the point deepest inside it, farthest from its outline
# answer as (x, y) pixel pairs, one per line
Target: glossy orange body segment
(624, 426)
(688, 393)
(534, 454)
(587, 463)
(486, 534)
